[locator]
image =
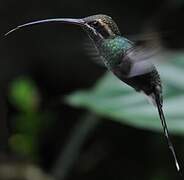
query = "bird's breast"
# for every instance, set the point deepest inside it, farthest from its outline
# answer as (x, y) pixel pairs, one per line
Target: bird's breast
(113, 49)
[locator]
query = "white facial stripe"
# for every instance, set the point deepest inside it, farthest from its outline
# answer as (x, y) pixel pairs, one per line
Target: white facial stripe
(106, 27)
(94, 31)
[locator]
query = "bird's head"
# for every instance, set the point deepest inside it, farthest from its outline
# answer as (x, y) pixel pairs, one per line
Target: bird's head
(100, 27)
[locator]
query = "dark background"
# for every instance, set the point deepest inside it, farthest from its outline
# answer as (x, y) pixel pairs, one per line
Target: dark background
(54, 58)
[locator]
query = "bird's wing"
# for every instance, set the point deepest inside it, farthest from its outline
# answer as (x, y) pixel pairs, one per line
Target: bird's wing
(142, 59)
(93, 52)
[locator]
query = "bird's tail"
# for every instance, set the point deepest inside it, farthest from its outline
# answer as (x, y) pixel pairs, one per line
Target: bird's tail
(166, 132)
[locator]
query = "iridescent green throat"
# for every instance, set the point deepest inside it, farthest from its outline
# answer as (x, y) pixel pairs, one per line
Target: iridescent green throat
(112, 50)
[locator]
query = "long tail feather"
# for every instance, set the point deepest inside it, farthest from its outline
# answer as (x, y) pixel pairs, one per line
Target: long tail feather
(166, 132)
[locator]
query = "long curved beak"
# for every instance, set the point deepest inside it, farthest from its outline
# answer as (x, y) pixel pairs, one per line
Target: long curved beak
(79, 22)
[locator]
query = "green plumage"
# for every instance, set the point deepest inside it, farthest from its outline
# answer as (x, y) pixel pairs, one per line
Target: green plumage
(113, 49)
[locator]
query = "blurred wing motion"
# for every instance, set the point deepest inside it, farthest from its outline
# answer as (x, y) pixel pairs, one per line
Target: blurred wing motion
(149, 50)
(93, 52)
(143, 56)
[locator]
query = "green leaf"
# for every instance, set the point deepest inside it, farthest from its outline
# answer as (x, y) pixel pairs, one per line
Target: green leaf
(113, 99)
(24, 94)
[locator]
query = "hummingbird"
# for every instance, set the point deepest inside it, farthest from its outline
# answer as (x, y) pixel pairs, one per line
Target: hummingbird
(128, 61)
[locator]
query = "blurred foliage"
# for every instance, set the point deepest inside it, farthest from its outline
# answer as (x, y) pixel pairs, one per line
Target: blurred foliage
(24, 95)
(21, 171)
(29, 122)
(113, 99)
